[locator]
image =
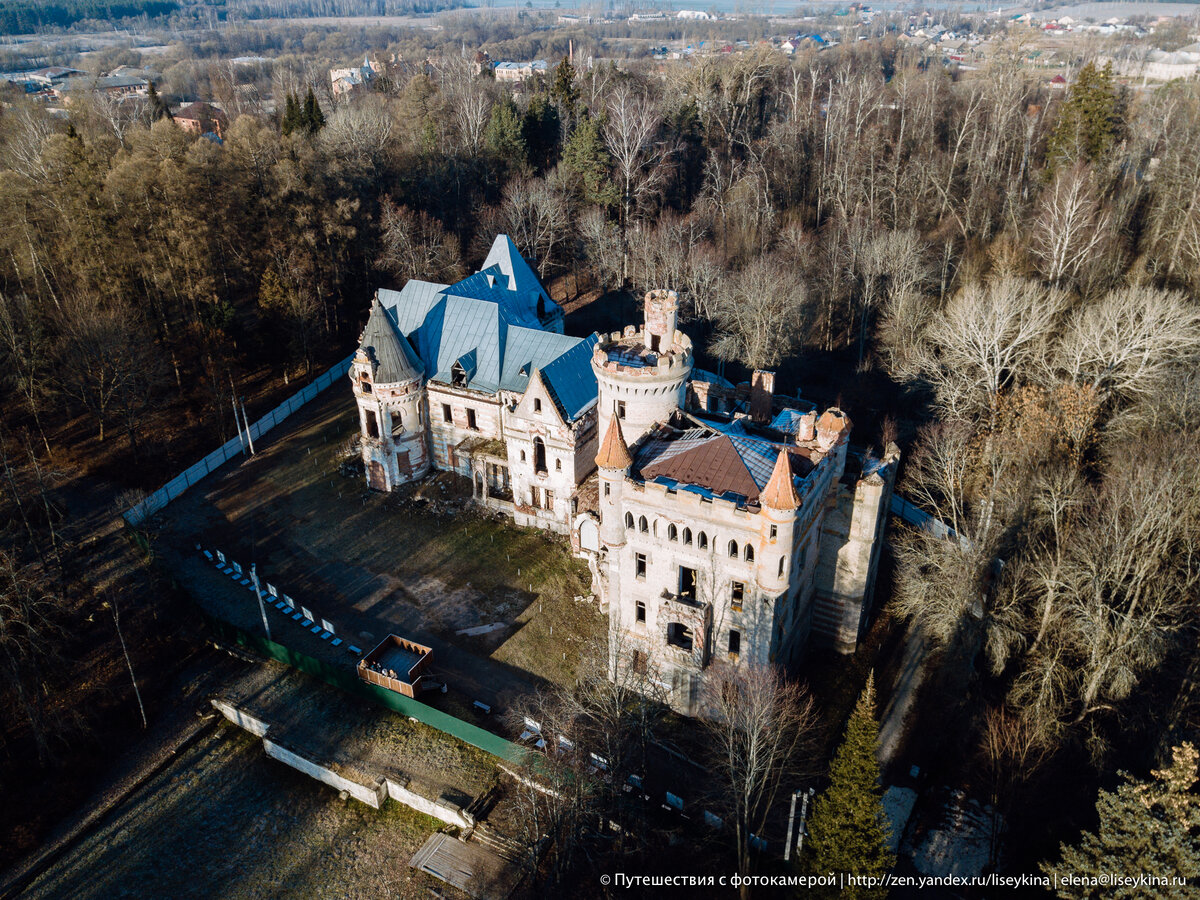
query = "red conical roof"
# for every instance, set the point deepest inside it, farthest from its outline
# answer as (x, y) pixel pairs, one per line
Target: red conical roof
(613, 452)
(780, 492)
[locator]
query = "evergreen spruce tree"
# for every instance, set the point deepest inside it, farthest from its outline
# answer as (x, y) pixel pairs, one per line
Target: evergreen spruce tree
(1090, 120)
(848, 830)
(586, 159)
(564, 91)
(541, 131)
(158, 108)
(504, 136)
(312, 117)
(1150, 827)
(291, 115)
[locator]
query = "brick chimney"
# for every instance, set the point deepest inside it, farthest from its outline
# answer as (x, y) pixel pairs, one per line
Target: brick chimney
(762, 396)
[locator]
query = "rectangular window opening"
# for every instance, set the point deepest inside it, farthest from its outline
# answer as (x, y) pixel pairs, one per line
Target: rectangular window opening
(471, 423)
(641, 611)
(687, 583)
(737, 592)
(639, 564)
(735, 643)
(447, 416)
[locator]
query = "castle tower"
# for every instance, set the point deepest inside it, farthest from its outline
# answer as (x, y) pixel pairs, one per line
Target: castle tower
(612, 463)
(389, 386)
(643, 373)
(779, 502)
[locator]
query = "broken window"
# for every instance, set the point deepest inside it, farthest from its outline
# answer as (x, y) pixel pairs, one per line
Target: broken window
(737, 592)
(749, 553)
(733, 550)
(782, 560)
(366, 383)
(679, 635)
(703, 541)
(654, 343)
(539, 456)
(735, 643)
(774, 532)
(372, 424)
(620, 409)
(672, 533)
(641, 611)
(606, 488)
(639, 662)
(549, 500)
(687, 536)
(447, 416)
(537, 404)
(687, 583)
(628, 520)
(643, 525)
(471, 420)
(558, 466)
(458, 375)
(639, 566)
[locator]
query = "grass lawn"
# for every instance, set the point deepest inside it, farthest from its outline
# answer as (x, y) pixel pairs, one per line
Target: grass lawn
(417, 558)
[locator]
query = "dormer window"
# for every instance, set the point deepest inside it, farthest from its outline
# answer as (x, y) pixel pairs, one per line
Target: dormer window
(458, 375)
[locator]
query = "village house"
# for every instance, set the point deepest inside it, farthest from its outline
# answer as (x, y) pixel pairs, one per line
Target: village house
(201, 118)
(519, 71)
(719, 521)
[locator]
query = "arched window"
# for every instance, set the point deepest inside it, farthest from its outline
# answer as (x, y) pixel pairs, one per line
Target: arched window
(672, 533)
(558, 465)
(522, 456)
(749, 553)
(782, 560)
(643, 525)
(687, 536)
(733, 550)
(628, 520)
(539, 456)
(703, 541)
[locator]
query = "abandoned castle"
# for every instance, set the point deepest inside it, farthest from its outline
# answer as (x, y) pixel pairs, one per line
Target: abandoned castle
(718, 520)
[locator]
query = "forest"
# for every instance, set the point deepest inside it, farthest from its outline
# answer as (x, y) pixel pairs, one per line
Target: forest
(999, 276)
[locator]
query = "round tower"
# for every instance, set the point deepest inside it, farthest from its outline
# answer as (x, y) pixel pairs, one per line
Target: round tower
(612, 464)
(389, 387)
(643, 373)
(779, 502)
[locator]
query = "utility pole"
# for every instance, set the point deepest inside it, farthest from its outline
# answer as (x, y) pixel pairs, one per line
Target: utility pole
(803, 821)
(246, 419)
(258, 593)
(787, 848)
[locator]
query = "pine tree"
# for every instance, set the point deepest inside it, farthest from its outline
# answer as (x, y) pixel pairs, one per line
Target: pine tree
(291, 115)
(1090, 121)
(1150, 827)
(848, 831)
(312, 117)
(503, 135)
(588, 162)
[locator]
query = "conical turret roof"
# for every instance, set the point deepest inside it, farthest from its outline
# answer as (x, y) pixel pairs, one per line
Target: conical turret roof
(385, 346)
(614, 454)
(780, 492)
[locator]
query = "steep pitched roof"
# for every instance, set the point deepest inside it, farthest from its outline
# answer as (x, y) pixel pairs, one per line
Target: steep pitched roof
(387, 348)
(614, 453)
(780, 492)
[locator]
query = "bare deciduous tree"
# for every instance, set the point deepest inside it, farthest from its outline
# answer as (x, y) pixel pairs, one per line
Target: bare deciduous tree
(760, 314)
(758, 725)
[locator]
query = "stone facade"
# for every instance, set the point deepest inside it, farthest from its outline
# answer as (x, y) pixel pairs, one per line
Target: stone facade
(694, 566)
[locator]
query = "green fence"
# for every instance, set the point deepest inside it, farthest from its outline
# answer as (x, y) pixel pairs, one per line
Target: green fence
(348, 680)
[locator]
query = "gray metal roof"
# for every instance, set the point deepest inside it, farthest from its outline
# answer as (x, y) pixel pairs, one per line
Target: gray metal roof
(393, 357)
(492, 330)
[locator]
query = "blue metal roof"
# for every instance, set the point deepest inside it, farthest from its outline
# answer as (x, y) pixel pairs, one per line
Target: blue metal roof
(488, 324)
(571, 379)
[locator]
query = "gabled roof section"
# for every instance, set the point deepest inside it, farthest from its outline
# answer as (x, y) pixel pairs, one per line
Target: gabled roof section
(614, 452)
(394, 359)
(780, 492)
(570, 379)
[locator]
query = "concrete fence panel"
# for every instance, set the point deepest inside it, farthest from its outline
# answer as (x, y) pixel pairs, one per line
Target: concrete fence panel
(372, 796)
(191, 476)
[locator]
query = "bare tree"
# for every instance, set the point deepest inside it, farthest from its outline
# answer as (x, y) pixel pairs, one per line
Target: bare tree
(413, 244)
(536, 217)
(631, 135)
(759, 726)
(760, 314)
(1072, 230)
(1132, 343)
